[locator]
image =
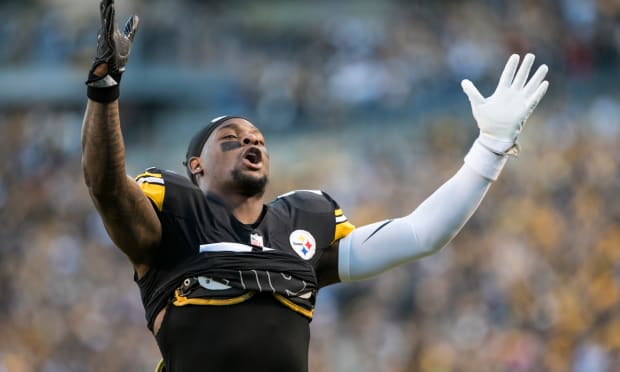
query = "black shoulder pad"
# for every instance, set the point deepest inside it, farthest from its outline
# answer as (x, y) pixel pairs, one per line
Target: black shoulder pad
(177, 179)
(153, 170)
(309, 200)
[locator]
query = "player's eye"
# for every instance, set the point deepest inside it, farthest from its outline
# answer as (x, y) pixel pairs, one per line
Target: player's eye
(229, 137)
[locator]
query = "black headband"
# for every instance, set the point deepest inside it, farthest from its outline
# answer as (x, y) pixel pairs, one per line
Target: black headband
(199, 139)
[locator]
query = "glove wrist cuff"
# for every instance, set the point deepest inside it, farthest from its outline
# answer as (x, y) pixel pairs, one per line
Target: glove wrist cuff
(103, 95)
(103, 89)
(485, 162)
(499, 146)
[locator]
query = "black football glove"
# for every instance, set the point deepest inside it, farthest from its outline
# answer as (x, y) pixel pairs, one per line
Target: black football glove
(113, 48)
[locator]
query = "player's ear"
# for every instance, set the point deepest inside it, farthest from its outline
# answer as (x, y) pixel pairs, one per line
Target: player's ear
(194, 166)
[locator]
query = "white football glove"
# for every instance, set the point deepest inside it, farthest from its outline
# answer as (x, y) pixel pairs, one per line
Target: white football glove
(501, 116)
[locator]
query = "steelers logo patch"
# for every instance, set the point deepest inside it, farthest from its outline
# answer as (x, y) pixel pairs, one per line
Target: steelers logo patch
(303, 244)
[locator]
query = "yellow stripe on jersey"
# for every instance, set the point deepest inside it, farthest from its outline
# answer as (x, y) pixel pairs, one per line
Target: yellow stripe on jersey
(343, 229)
(182, 300)
(152, 185)
(293, 306)
(343, 226)
(161, 366)
(154, 192)
(148, 174)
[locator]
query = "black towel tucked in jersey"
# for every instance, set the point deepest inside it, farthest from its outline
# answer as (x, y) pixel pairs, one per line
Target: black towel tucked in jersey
(265, 271)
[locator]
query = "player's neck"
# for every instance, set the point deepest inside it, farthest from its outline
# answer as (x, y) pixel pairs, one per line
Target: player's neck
(246, 210)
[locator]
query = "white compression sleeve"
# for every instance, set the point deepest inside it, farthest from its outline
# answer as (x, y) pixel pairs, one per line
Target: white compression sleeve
(372, 249)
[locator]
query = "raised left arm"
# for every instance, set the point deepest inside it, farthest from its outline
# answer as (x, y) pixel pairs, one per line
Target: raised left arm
(372, 249)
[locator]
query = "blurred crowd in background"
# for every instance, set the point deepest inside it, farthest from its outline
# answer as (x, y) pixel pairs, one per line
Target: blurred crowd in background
(360, 99)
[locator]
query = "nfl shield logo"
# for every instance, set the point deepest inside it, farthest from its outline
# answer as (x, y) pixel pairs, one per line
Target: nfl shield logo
(256, 240)
(303, 244)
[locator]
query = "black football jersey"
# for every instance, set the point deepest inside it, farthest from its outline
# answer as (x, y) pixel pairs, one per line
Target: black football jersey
(303, 223)
(256, 329)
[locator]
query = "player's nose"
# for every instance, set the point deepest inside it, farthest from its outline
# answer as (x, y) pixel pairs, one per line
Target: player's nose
(250, 139)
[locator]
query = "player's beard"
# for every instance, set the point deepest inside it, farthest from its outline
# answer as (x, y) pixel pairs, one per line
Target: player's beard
(248, 185)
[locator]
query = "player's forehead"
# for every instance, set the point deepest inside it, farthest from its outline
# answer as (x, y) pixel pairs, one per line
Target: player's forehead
(238, 124)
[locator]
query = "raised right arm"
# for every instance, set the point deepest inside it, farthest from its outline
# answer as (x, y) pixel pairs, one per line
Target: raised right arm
(127, 213)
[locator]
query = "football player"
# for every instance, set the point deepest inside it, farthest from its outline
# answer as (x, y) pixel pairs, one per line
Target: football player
(228, 280)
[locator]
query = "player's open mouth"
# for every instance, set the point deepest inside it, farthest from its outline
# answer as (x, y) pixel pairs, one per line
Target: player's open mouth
(253, 158)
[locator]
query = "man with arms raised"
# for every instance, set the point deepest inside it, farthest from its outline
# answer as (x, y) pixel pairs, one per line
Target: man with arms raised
(229, 282)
